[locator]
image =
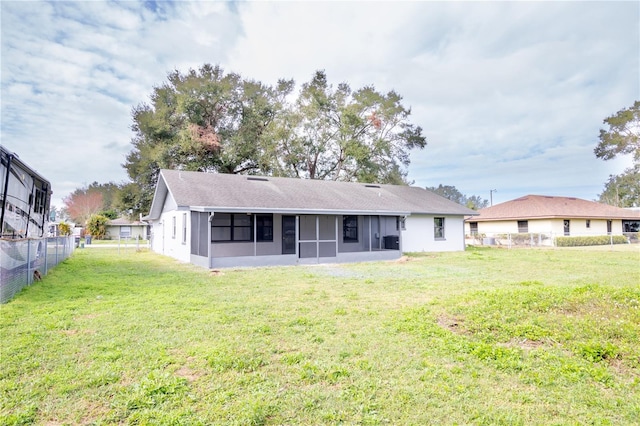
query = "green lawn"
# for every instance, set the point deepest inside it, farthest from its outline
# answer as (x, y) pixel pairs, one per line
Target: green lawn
(486, 336)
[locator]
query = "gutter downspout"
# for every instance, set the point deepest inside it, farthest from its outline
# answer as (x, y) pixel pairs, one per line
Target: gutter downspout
(209, 250)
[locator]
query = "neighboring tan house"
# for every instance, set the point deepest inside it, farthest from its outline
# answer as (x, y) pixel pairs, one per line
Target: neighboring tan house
(553, 216)
(123, 228)
(224, 220)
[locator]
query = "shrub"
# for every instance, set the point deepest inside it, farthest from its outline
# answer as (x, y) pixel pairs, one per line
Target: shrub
(97, 226)
(599, 240)
(64, 228)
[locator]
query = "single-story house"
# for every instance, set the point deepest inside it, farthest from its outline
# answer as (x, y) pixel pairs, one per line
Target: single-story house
(223, 220)
(553, 216)
(122, 228)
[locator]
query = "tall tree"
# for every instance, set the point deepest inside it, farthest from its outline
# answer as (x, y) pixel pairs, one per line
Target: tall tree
(94, 198)
(82, 204)
(622, 138)
(340, 134)
(204, 120)
(623, 135)
(476, 202)
(449, 192)
(623, 190)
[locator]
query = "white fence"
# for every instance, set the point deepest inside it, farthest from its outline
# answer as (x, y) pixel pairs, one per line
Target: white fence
(20, 259)
(547, 239)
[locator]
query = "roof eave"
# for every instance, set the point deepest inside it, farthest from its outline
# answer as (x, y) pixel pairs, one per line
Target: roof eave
(497, 219)
(209, 209)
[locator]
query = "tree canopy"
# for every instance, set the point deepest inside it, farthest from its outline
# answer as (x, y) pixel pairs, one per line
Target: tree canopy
(623, 190)
(474, 202)
(623, 135)
(103, 198)
(341, 134)
(622, 138)
(209, 120)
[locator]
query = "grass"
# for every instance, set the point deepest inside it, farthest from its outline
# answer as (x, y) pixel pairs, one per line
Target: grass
(486, 336)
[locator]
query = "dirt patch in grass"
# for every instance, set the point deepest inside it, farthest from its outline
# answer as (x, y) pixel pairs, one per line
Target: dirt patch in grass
(186, 372)
(453, 324)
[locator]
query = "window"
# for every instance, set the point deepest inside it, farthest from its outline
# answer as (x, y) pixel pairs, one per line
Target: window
(125, 232)
(473, 227)
(173, 227)
(631, 225)
(523, 226)
(438, 228)
(231, 227)
(609, 222)
(39, 201)
(264, 227)
(350, 229)
(184, 228)
(400, 223)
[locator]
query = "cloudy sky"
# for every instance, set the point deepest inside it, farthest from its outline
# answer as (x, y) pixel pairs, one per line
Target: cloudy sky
(511, 95)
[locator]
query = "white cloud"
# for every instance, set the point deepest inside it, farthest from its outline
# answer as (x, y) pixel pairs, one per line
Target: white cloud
(510, 94)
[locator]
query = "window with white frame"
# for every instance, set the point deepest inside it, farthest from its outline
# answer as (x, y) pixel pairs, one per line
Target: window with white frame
(473, 227)
(523, 226)
(438, 228)
(173, 227)
(125, 232)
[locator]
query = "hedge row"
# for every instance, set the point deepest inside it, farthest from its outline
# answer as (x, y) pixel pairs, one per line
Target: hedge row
(600, 240)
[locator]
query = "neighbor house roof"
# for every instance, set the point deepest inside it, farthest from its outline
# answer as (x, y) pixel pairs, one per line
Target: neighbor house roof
(241, 193)
(123, 221)
(548, 207)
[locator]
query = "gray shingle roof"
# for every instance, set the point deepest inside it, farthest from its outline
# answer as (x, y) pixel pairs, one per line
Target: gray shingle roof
(227, 192)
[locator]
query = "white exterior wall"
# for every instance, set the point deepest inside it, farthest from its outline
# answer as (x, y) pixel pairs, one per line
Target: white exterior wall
(577, 227)
(164, 241)
(418, 235)
(494, 227)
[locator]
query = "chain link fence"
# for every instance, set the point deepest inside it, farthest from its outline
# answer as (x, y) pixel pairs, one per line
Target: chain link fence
(548, 239)
(23, 261)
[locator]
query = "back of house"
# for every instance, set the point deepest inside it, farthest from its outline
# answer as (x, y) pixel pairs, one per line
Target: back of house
(222, 220)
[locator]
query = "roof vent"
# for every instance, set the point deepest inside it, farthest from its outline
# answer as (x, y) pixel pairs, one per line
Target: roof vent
(372, 186)
(261, 179)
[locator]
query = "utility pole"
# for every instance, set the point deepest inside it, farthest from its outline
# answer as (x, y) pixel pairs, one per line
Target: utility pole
(491, 191)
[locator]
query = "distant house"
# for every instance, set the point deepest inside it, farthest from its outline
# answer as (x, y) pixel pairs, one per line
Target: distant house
(557, 216)
(123, 228)
(223, 220)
